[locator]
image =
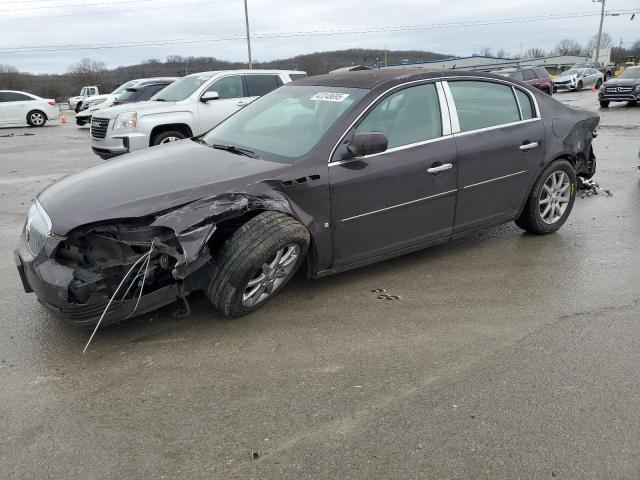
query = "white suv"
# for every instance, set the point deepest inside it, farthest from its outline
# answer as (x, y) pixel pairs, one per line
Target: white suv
(186, 108)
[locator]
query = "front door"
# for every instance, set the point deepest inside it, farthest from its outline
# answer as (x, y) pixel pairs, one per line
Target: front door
(230, 99)
(402, 197)
(500, 147)
(15, 107)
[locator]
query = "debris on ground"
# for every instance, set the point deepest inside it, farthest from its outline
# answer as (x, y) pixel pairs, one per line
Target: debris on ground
(17, 135)
(588, 187)
(384, 295)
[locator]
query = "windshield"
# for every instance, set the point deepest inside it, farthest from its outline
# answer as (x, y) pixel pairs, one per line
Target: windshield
(129, 94)
(123, 87)
(630, 73)
(182, 89)
(573, 71)
(287, 123)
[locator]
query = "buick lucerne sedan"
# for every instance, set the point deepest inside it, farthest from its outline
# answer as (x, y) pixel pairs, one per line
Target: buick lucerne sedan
(327, 173)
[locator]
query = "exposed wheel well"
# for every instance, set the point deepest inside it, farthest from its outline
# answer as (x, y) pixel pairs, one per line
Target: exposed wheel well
(180, 127)
(225, 229)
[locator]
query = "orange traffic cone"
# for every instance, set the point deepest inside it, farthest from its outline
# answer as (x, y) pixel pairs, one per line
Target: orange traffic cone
(593, 87)
(62, 118)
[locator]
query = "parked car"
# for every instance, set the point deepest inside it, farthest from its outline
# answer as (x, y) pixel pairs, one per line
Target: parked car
(75, 103)
(100, 102)
(624, 88)
(606, 70)
(142, 93)
(188, 107)
(537, 77)
(331, 172)
(578, 78)
(22, 107)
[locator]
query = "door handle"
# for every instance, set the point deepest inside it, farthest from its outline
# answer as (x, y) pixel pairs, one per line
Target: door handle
(528, 146)
(440, 168)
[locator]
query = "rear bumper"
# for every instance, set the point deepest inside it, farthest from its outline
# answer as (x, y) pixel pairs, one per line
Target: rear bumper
(51, 282)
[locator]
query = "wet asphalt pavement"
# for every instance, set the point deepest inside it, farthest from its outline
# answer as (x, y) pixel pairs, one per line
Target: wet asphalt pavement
(508, 356)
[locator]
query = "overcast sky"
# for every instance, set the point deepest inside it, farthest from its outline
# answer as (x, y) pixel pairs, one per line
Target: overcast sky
(101, 21)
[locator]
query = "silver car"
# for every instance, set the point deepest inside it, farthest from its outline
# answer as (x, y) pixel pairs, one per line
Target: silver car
(578, 78)
(188, 107)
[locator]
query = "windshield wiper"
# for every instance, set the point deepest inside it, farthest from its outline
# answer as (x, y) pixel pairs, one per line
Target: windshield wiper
(236, 150)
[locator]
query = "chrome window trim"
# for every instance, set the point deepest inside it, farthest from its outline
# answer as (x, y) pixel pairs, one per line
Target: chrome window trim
(515, 95)
(392, 207)
(424, 81)
(496, 127)
(391, 150)
(450, 105)
(491, 180)
(444, 110)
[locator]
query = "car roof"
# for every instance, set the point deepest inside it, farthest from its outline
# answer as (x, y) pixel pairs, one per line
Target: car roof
(217, 72)
(20, 91)
(370, 79)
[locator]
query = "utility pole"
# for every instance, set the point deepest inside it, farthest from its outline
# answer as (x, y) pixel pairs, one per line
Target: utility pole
(246, 18)
(596, 60)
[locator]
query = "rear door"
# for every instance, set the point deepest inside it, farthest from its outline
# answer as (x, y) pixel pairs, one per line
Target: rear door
(230, 98)
(16, 106)
(401, 197)
(500, 142)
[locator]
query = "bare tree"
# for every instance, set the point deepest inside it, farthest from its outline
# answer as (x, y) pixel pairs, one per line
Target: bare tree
(10, 78)
(87, 72)
(486, 52)
(567, 46)
(605, 42)
(534, 52)
(502, 53)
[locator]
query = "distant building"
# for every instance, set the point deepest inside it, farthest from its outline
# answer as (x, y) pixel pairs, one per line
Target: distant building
(554, 64)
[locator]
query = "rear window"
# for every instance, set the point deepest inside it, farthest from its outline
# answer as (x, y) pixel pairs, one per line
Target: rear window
(258, 85)
(528, 75)
(483, 104)
(542, 72)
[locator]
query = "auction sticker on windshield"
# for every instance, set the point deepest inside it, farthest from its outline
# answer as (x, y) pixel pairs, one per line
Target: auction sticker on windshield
(329, 97)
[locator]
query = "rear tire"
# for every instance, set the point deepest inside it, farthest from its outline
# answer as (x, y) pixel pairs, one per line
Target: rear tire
(551, 199)
(36, 118)
(167, 137)
(604, 103)
(249, 269)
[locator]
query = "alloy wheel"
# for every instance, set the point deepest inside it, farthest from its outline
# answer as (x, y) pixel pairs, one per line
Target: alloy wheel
(271, 275)
(37, 119)
(554, 197)
(170, 139)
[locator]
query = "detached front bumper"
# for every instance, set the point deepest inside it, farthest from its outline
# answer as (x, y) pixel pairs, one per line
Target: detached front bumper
(53, 284)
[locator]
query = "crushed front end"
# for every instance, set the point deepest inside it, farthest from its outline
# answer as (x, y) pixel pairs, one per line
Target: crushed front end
(76, 276)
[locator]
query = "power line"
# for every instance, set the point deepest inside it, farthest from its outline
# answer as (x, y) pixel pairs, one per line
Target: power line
(110, 12)
(42, 7)
(207, 39)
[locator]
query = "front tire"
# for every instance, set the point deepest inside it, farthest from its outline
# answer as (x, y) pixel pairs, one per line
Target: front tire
(256, 262)
(36, 118)
(579, 87)
(551, 199)
(167, 137)
(78, 107)
(604, 103)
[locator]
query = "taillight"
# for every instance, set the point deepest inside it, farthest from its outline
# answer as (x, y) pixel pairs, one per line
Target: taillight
(52, 103)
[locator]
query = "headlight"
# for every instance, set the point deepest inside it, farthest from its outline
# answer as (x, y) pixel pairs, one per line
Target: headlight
(126, 121)
(38, 228)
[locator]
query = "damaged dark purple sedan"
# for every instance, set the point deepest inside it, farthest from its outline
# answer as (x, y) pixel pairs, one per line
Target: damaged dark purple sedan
(328, 173)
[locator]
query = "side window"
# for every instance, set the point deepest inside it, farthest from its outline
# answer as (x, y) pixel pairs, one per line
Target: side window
(483, 104)
(3, 97)
(16, 97)
(525, 104)
(228, 87)
(258, 85)
(542, 73)
(528, 75)
(407, 116)
(518, 76)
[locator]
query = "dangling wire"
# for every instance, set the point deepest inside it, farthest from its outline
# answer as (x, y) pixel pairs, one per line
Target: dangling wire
(144, 278)
(143, 258)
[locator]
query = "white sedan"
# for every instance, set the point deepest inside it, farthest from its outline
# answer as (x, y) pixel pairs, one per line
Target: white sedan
(21, 107)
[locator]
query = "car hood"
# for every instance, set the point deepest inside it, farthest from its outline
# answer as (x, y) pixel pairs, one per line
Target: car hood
(153, 180)
(143, 108)
(622, 82)
(564, 78)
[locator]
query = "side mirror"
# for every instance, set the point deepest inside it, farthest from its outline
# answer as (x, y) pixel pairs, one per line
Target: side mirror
(367, 143)
(209, 96)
